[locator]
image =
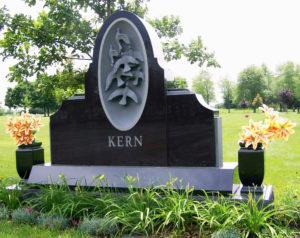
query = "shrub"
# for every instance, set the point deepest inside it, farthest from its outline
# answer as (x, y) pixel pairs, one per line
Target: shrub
(226, 233)
(4, 214)
(53, 222)
(217, 214)
(23, 216)
(289, 208)
(9, 197)
(96, 226)
(256, 220)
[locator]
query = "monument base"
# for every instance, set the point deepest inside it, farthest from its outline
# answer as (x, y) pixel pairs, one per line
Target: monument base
(201, 178)
(264, 194)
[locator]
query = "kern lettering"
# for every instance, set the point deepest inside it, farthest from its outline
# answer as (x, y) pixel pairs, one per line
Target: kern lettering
(125, 141)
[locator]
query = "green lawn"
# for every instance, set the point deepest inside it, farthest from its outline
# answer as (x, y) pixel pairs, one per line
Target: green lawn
(11, 230)
(282, 158)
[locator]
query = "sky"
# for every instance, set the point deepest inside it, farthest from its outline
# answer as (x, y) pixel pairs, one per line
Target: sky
(239, 32)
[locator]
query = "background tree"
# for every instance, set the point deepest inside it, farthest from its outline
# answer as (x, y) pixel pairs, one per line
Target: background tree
(178, 82)
(19, 96)
(244, 104)
(62, 32)
(257, 101)
(287, 76)
(297, 95)
(286, 99)
(227, 88)
(270, 94)
(250, 83)
(203, 85)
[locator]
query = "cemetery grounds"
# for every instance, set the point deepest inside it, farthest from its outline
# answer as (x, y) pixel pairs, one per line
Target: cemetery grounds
(282, 163)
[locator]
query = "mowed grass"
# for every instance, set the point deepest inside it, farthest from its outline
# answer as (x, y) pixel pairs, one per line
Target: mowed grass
(11, 230)
(8, 147)
(282, 159)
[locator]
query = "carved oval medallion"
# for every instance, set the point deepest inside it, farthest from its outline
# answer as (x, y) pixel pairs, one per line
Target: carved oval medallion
(123, 74)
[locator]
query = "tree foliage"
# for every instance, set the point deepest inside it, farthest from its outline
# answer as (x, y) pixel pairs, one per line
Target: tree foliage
(257, 101)
(19, 96)
(251, 82)
(228, 89)
(62, 31)
(178, 82)
(203, 85)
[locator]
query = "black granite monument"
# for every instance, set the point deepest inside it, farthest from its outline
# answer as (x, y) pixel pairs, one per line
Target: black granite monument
(128, 123)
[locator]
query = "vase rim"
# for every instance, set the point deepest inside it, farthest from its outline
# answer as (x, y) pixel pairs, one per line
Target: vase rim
(33, 144)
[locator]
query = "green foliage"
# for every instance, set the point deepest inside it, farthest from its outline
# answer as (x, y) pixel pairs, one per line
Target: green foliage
(257, 101)
(167, 26)
(62, 33)
(250, 83)
(53, 222)
(59, 200)
(288, 75)
(54, 37)
(10, 198)
(178, 82)
(228, 90)
(89, 226)
(47, 92)
(256, 219)
(197, 52)
(19, 96)
(4, 213)
(23, 216)
(9, 229)
(217, 214)
(159, 210)
(289, 205)
(227, 233)
(203, 85)
(96, 226)
(3, 17)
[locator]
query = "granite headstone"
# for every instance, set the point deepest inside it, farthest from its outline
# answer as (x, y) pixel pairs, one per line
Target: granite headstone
(129, 123)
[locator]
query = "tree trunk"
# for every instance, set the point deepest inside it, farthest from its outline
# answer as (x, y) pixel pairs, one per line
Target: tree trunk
(298, 110)
(254, 110)
(228, 109)
(44, 111)
(108, 8)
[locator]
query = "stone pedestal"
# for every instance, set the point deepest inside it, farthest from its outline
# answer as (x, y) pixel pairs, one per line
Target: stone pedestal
(263, 194)
(201, 178)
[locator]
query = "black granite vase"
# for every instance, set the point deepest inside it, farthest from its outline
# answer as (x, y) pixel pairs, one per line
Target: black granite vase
(27, 156)
(251, 166)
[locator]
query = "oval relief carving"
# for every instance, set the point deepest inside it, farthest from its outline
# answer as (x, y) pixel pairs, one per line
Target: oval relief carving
(123, 74)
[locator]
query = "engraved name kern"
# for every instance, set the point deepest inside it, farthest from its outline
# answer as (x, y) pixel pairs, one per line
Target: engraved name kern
(125, 141)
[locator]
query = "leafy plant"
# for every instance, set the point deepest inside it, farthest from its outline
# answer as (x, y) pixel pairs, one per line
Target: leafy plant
(177, 208)
(89, 226)
(289, 208)
(60, 199)
(256, 220)
(23, 216)
(53, 222)
(4, 213)
(216, 214)
(96, 226)
(226, 233)
(9, 197)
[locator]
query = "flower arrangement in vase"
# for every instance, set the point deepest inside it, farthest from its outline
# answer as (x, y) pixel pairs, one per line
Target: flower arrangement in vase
(29, 152)
(255, 138)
